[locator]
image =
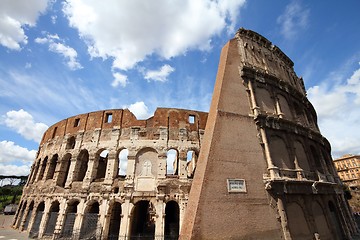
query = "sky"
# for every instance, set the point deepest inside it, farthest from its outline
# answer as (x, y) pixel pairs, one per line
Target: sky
(62, 58)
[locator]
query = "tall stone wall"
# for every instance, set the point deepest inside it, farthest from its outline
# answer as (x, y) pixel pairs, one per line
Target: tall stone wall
(100, 173)
(265, 171)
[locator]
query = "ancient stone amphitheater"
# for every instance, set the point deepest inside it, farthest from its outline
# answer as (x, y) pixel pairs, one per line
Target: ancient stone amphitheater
(264, 170)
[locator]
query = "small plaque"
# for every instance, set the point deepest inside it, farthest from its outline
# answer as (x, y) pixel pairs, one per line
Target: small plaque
(236, 185)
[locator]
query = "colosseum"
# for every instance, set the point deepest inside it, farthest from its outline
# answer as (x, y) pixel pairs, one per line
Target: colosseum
(261, 168)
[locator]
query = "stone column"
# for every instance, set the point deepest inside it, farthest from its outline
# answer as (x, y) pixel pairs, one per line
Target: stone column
(91, 171)
(274, 171)
(161, 171)
(111, 168)
(182, 164)
(126, 209)
(71, 173)
(44, 218)
(130, 171)
(79, 218)
(283, 217)
(254, 105)
(160, 218)
(61, 217)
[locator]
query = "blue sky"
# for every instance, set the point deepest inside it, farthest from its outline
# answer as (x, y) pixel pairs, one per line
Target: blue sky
(63, 58)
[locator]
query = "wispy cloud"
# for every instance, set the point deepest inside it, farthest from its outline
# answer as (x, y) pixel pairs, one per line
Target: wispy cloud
(293, 20)
(56, 46)
(337, 102)
(160, 75)
(119, 79)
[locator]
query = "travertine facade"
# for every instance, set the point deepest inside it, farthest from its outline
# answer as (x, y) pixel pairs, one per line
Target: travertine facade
(264, 170)
(82, 184)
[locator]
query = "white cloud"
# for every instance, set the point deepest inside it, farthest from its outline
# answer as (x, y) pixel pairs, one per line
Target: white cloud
(165, 28)
(14, 15)
(119, 79)
(23, 123)
(67, 52)
(139, 109)
(9, 152)
(338, 107)
(159, 75)
(293, 20)
(14, 170)
(27, 65)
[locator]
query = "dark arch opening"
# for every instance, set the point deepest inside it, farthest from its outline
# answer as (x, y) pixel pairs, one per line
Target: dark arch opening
(81, 165)
(90, 221)
(52, 166)
(172, 214)
(335, 220)
(53, 215)
(28, 216)
(68, 226)
(64, 170)
(142, 224)
(42, 170)
(70, 143)
(102, 163)
(21, 215)
(115, 220)
(34, 232)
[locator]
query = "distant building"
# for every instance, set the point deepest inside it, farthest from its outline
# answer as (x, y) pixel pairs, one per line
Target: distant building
(348, 168)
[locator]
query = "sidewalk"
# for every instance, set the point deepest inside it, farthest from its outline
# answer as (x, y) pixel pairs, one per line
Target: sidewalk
(6, 232)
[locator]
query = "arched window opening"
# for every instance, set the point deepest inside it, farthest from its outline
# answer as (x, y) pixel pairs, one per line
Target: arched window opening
(265, 100)
(172, 162)
(81, 165)
(69, 221)
(52, 167)
(280, 154)
(102, 163)
(335, 220)
(284, 106)
(28, 216)
(143, 223)
(115, 220)
(70, 144)
(90, 221)
(34, 232)
(320, 221)
(53, 215)
(300, 117)
(123, 162)
(301, 156)
(42, 169)
(146, 160)
(21, 215)
(191, 161)
(35, 171)
(64, 170)
(298, 226)
(316, 159)
(172, 214)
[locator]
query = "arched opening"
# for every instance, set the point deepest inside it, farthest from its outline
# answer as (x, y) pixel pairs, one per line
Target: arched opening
(28, 216)
(265, 101)
(35, 171)
(143, 224)
(90, 221)
(320, 221)
(335, 220)
(69, 221)
(64, 170)
(115, 220)
(284, 106)
(52, 166)
(102, 163)
(172, 214)
(300, 116)
(123, 161)
(146, 159)
(34, 232)
(191, 161)
(42, 169)
(70, 143)
(81, 165)
(280, 154)
(298, 226)
(172, 162)
(21, 215)
(301, 156)
(316, 159)
(53, 215)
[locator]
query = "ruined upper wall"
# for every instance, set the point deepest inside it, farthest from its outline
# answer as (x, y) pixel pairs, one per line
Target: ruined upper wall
(170, 118)
(259, 53)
